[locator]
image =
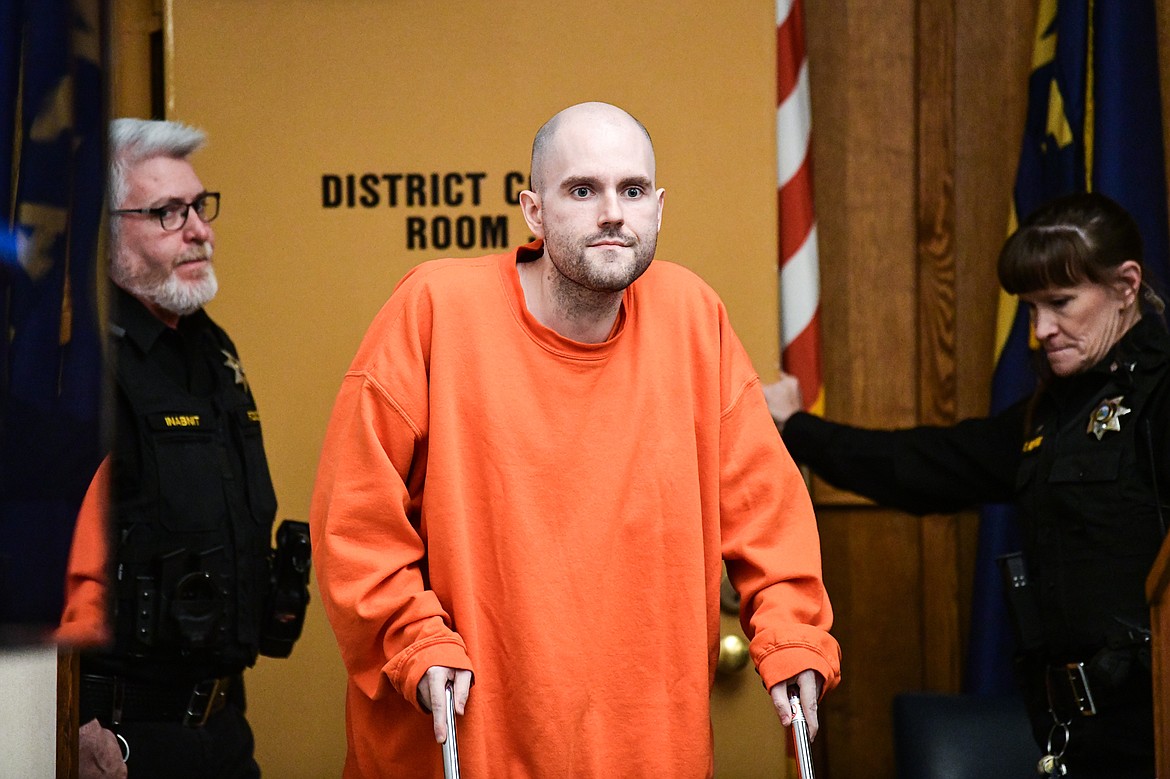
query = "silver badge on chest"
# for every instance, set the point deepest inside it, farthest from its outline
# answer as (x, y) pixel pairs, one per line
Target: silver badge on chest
(1106, 416)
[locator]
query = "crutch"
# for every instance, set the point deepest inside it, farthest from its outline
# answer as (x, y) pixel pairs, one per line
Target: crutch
(450, 749)
(804, 763)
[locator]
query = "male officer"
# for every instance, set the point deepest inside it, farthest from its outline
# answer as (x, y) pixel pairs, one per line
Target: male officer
(191, 503)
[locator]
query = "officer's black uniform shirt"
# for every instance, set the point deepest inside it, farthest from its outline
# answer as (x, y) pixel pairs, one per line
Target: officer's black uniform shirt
(198, 361)
(1090, 516)
(1075, 488)
(176, 351)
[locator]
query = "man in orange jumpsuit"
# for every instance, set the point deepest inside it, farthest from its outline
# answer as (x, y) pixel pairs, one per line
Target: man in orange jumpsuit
(542, 458)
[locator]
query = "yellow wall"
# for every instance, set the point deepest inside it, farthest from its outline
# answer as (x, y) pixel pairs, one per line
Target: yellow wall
(289, 90)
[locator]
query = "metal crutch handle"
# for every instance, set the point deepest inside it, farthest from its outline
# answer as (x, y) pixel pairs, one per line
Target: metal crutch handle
(450, 748)
(804, 763)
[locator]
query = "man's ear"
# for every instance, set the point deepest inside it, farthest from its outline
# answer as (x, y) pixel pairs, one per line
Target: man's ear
(530, 206)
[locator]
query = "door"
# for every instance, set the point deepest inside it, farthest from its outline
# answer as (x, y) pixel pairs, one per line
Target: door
(750, 742)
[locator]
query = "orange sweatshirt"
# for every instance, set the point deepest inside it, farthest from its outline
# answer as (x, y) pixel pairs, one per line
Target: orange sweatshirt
(552, 515)
(84, 620)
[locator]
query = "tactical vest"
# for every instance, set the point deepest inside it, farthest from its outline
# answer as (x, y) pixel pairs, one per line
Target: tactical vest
(192, 539)
(1090, 516)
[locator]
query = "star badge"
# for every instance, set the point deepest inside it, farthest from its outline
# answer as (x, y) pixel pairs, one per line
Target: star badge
(233, 362)
(1105, 417)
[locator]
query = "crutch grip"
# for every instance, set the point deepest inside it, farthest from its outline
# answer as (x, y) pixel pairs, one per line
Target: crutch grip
(450, 748)
(804, 763)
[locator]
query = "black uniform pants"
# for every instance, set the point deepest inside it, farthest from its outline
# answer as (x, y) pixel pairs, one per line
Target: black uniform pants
(1117, 742)
(151, 721)
(221, 749)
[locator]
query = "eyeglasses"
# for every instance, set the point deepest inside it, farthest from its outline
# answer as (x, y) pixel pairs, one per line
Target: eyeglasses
(173, 216)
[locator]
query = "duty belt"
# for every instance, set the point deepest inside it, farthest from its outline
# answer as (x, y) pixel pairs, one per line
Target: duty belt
(1069, 690)
(1079, 689)
(115, 699)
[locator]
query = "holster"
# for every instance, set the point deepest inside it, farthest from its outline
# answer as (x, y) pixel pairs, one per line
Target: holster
(288, 595)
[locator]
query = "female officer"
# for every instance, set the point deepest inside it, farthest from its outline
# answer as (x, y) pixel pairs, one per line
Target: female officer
(1086, 459)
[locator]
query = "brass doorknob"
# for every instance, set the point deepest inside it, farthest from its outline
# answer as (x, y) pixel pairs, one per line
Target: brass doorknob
(733, 654)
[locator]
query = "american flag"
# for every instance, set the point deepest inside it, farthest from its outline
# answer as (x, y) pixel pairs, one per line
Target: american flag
(800, 304)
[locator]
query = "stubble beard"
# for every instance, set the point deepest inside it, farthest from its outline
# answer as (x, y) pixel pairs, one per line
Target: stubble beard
(166, 289)
(584, 286)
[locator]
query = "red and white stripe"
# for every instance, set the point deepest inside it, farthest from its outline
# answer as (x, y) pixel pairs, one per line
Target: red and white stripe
(800, 304)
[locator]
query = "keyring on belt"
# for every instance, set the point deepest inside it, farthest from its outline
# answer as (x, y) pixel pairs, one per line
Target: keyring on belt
(124, 748)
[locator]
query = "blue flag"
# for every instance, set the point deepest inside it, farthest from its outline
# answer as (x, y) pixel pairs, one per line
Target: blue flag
(1094, 123)
(52, 181)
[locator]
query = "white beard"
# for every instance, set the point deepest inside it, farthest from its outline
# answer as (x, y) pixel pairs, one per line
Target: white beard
(183, 297)
(170, 292)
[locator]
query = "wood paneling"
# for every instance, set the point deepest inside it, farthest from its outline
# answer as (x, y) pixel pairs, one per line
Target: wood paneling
(1158, 594)
(935, 211)
(131, 24)
(877, 606)
(917, 113)
(68, 679)
(935, 237)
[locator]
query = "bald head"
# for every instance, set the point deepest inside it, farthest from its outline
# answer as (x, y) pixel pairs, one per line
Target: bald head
(576, 116)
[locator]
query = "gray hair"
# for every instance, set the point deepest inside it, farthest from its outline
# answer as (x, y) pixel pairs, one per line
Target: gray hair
(135, 140)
